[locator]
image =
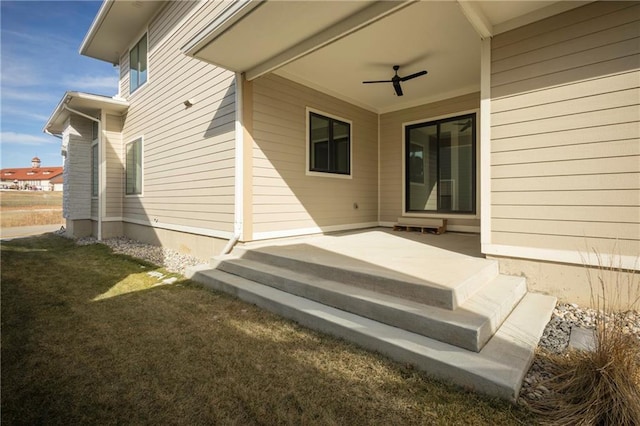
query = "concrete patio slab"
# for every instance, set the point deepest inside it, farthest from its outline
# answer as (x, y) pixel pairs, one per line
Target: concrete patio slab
(439, 262)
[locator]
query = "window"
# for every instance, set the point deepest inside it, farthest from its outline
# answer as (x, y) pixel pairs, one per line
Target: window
(440, 165)
(329, 145)
(133, 178)
(94, 170)
(138, 65)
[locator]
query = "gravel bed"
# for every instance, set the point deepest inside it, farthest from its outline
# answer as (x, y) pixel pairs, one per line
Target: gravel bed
(169, 259)
(555, 337)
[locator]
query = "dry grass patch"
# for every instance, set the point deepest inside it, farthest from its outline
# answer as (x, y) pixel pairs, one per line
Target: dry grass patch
(26, 208)
(10, 219)
(30, 199)
(87, 337)
(599, 386)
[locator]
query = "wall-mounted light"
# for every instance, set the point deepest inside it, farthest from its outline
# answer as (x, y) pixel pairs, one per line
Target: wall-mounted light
(189, 103)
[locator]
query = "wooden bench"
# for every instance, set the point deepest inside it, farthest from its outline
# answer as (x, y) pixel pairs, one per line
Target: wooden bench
(435, 226)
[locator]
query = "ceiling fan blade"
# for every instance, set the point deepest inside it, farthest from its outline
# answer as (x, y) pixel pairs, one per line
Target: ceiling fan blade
(377, 81)
(409, 77)
(396, 85)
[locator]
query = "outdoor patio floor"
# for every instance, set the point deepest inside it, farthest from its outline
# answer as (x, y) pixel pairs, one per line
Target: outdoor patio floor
(441, 261)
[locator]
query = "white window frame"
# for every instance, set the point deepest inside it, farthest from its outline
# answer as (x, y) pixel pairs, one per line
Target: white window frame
(141, 193)
(308, 170)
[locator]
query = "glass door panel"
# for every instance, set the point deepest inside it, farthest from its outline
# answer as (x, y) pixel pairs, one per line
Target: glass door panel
(440, 166)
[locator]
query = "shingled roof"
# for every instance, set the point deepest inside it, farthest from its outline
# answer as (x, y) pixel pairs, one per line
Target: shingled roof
(30, 173)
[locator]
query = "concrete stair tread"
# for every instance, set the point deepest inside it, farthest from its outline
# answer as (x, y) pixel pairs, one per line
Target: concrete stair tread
(498, 369)
(470, 326)
(446, 283)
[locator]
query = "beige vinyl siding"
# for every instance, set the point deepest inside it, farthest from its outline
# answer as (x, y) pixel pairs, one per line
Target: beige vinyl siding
(188, 153)
(286, 198)
(124, 74)
(391, 141)
(114, 166)
(565, 149)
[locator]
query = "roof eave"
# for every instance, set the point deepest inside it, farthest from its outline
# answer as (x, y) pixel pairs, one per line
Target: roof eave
(115, 27)
(95, 101)
(95, 26)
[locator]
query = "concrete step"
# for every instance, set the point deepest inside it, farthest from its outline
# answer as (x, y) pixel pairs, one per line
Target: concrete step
(446, 284)
(470, 326)
(498, 369)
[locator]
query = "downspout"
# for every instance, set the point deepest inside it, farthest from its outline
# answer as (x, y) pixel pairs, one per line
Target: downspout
(100, 175)
(238, 211)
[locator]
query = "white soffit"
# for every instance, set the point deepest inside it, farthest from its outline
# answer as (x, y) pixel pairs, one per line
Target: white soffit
(261, 36)
(115, 26)
(432, 36)
(86, 103)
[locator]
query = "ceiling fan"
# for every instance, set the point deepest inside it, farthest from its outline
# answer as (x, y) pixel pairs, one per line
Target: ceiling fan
(396, 79)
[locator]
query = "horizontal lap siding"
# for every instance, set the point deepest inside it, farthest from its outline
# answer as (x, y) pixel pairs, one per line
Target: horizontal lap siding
(391, 140)
(565, 149)
(77, 183)
(284, 197)
(188, 153)
(115, 166)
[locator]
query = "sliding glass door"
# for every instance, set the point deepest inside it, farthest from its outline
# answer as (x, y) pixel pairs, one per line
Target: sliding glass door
(440, 164)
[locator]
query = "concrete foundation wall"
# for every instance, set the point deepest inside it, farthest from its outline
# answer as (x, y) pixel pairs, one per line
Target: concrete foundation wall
(112, 229)
(573, 283)
(200, 246)
(78, 228)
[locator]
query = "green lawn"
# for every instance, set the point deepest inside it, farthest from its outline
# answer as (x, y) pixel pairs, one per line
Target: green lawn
(89, 338)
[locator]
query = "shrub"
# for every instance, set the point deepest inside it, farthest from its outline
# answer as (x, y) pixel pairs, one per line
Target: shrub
(601, 386)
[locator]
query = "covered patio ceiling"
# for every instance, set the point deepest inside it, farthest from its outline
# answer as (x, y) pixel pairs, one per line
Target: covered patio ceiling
(334, 46)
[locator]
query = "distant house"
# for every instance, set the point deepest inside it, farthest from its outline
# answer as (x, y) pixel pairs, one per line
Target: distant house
(34, 177)
(248, 120)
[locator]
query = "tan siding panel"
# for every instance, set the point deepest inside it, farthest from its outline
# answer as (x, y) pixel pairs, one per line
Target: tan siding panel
(553, 197)
(568, 62)
(628, 214)
(568, 167)
(591, 134)
(565, 160)
(623, 148)
(621, 64)
(538, 52)
(285, 197)
(600, 181)
(568, 122)
(609, 100)
(568, 228)
(188, 153)
(115, 166)
(558, 24)
(574, 90)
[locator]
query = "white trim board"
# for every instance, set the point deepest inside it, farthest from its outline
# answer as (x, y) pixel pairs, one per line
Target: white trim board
(312, 230)
(182, 228)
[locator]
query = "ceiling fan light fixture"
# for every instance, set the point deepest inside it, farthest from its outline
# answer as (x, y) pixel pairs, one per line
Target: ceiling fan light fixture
(396, 79)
